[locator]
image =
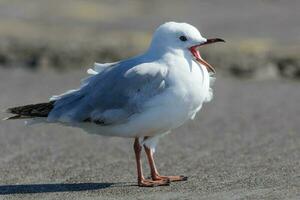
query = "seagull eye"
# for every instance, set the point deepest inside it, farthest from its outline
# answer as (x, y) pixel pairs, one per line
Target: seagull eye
(183, 38)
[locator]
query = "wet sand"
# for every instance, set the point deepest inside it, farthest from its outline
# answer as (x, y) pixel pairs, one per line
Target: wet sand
(245, 144)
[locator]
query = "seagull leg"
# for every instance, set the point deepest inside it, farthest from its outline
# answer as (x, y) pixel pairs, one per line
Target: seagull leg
(142, 182)
(154, 173)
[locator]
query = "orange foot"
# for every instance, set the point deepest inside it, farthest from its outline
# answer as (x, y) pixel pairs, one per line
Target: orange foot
(170, 178)
(153, 183)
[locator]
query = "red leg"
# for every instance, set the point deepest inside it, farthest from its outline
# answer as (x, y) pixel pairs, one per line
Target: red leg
(142, 182)
(154, 174)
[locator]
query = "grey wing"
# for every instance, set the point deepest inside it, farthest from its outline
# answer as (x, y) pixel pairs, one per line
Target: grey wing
(111, 96)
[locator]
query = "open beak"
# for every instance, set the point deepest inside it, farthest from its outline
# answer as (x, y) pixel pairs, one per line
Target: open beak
(197, 55)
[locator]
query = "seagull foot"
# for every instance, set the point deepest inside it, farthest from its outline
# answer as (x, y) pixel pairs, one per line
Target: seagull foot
(154, 183)
(171, 178)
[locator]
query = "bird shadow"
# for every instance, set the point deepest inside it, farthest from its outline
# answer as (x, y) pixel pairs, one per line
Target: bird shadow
(56, 187)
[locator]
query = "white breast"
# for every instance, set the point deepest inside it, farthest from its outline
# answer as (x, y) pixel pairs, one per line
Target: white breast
(187, 90)
(191, 84)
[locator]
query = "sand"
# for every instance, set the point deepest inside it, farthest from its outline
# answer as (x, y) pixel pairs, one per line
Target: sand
(245, 144)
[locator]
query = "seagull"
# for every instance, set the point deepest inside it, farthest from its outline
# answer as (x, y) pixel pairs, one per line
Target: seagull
(143, 97)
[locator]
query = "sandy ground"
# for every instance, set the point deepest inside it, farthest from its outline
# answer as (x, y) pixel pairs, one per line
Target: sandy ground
(243, 145)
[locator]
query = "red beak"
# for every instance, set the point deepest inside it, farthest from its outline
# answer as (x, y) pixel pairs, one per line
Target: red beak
(197, 55)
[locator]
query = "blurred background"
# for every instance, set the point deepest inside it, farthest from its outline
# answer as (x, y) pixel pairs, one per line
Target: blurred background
(260, 34)
(245, 144)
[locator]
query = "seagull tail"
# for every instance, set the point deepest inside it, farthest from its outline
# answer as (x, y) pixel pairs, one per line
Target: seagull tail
(30, 111)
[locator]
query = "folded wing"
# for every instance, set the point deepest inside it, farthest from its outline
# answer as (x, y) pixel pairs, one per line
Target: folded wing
(112, 94)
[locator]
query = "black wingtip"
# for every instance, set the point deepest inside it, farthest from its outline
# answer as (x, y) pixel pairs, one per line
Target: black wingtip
(9, 110)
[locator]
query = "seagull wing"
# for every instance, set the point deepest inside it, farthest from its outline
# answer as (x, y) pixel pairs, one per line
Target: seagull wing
(112, 95)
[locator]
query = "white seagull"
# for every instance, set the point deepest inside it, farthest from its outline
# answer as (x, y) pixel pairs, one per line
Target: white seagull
(143, 97)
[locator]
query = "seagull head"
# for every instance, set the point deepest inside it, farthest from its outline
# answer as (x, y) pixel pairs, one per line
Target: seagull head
(183, 37)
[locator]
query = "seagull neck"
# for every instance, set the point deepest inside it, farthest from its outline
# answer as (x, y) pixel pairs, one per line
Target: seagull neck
(157, 48)
(155, 51)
